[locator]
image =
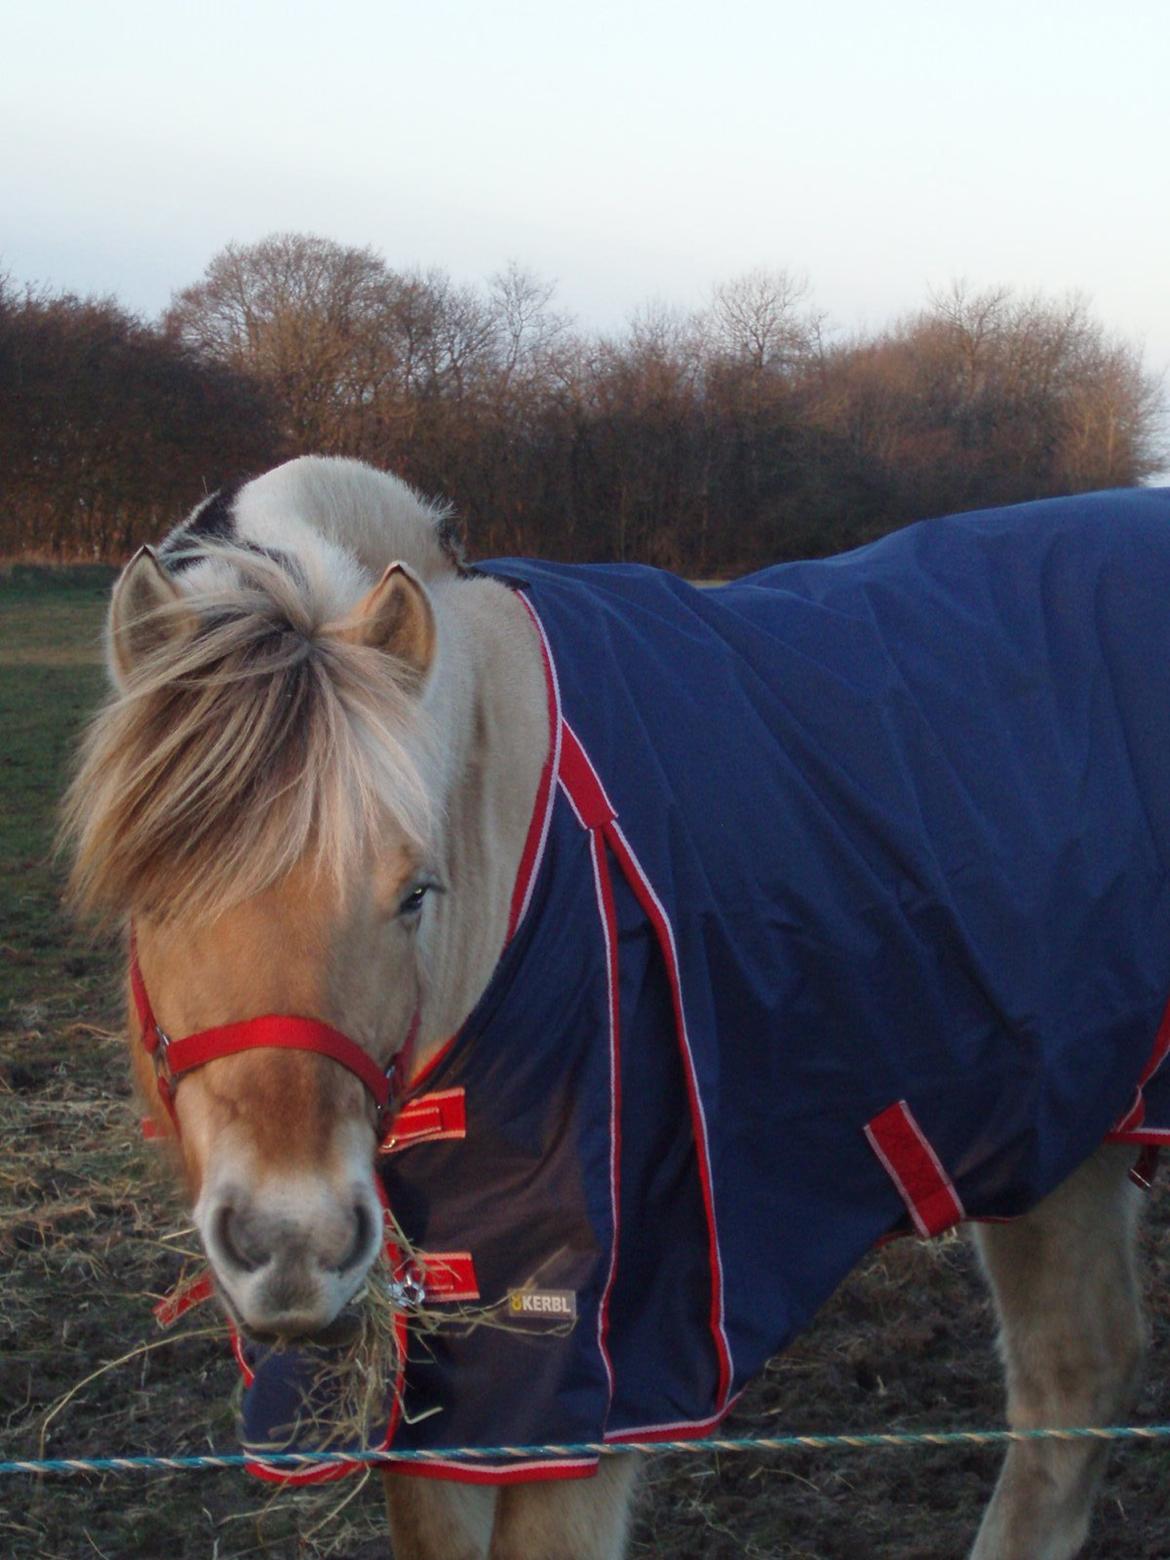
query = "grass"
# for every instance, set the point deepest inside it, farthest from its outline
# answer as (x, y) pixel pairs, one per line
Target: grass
(89, 1230)
(89, 1234)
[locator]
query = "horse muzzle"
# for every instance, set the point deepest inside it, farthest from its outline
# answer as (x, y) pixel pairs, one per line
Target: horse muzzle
(290, 1254)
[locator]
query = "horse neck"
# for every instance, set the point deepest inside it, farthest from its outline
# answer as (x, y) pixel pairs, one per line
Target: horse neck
(488, 701)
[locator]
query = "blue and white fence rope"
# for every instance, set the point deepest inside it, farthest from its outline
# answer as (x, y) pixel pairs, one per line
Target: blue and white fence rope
(749, 1443)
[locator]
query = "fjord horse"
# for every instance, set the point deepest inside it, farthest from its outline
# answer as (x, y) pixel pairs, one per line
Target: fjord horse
(311, 794)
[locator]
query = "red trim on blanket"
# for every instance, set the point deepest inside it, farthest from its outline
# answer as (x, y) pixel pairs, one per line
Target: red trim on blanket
(323, 1475)
(605, 905)
(915, 1169)
(538, 826)
(593, 810)
(1131, 1127)
(643, 891)
(584, 789)
(678, 1430)
(542, 812)
(582, 784)
(477, 1473)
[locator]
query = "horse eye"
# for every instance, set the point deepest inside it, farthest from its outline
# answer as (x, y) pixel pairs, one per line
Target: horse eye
(413, 901)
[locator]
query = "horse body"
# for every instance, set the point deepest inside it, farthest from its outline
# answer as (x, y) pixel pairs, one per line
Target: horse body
(390, 918)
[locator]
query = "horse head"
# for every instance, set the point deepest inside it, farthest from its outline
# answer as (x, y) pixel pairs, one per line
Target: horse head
(253, 802)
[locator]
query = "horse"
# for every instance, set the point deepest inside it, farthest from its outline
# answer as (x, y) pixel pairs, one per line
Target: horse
(348, 796)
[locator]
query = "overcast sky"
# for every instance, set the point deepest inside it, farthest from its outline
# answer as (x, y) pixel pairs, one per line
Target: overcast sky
(628, 151)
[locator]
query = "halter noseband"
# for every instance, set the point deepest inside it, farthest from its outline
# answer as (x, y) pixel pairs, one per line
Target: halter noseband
(174, 1058)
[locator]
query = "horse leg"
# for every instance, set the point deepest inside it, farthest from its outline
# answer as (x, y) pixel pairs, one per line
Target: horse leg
(438, 1519)
(1072, 1338)
(567, 1519)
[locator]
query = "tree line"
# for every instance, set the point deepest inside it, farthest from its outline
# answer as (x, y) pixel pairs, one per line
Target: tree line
(708, 442)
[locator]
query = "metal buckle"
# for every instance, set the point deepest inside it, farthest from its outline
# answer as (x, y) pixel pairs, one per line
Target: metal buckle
(163, 1046)
(385, 1120)
(408, 1292)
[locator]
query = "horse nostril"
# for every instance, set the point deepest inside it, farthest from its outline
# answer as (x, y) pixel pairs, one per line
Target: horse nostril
(359, 1246)
(233, 1241)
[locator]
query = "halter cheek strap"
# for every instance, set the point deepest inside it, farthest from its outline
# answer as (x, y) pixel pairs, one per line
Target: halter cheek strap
(287, 1032)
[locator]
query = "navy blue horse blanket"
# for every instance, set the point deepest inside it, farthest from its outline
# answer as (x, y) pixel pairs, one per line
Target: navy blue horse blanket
(848, 913)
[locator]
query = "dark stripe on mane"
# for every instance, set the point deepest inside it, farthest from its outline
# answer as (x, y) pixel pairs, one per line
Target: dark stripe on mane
(214, 519)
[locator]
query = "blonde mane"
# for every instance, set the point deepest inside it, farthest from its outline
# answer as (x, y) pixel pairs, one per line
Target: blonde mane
(236, 750)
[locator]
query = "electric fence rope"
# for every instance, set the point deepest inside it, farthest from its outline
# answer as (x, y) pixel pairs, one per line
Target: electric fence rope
(768, 1443)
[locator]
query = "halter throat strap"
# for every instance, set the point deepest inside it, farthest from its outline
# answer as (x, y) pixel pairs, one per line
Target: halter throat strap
(273, 1031)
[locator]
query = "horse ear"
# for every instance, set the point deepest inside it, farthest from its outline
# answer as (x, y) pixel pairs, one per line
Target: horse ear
(139, 623)
(396, 617)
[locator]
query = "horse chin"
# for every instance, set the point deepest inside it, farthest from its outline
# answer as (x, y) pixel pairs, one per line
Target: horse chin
(337, 1334)
(343, 1330)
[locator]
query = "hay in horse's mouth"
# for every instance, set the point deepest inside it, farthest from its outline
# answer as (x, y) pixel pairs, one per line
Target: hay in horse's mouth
(345, 1328)
(356, 1361)
(342, 1332)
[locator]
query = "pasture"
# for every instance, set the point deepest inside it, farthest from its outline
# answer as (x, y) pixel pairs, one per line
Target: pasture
(89, 1234)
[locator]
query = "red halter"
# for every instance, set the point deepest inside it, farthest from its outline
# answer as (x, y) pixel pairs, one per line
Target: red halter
(174, 1058)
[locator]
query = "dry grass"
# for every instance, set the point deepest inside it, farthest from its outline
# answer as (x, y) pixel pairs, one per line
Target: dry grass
(90, 1234)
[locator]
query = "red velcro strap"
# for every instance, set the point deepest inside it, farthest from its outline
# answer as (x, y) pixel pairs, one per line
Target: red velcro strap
(914, 1167)
(448, 1275)
(187, 1293)
(582, 784)
(280, 1032)
(426, 1119)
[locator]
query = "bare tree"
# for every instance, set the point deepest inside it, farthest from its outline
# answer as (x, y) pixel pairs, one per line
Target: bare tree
(759, 319)
(302, 315)
(529, 329)
(704, 442)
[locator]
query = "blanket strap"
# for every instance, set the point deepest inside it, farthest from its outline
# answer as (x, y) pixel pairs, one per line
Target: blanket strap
(426, 1119)
(915, 1169)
